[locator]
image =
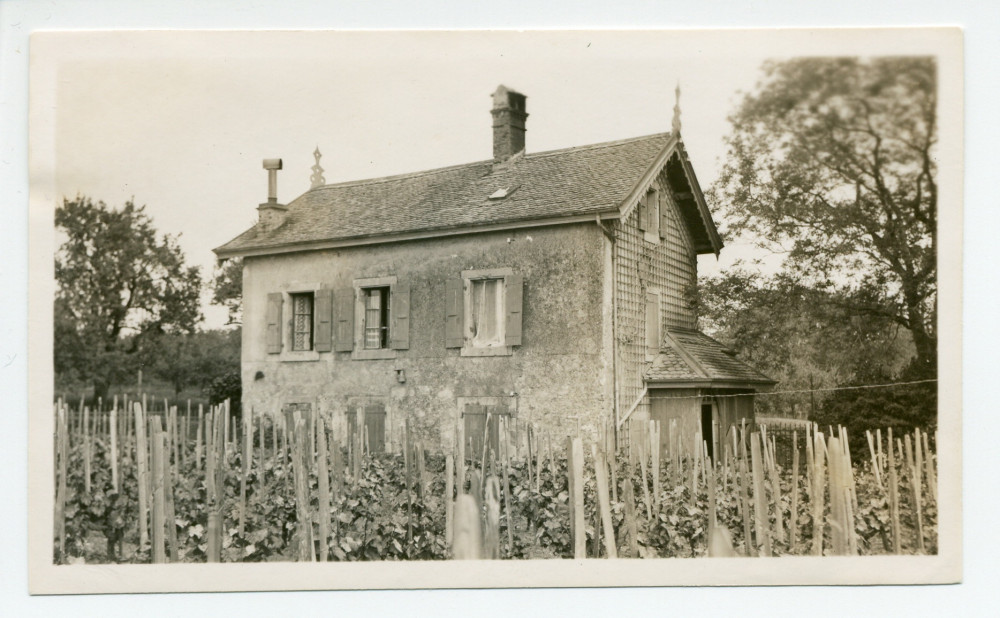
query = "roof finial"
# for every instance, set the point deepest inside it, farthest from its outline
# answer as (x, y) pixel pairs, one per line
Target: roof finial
(676, 124)
(317, 175)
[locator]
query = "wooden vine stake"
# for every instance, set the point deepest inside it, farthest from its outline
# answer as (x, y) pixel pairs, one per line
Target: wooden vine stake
(468, 539)
(575, 473)
(643, 458)
(711, 499)
(460, 457)
(449, 499)
(875, 462)
(913, 472)
(654, 449)
(838, 509)
(324, 490)
(744, 486)
(775, 482)
(86, 450)
(62, 440)
(246, 455)
(169, 474)
(631, 526)
(601, 471)
(506, 485)
(929, 463)
(793, 524)
(491, 534)
(113, 452)
(760, 502)
(894, 496)
(142, 474)
(156, 437)
(817, 493)
(300, 444)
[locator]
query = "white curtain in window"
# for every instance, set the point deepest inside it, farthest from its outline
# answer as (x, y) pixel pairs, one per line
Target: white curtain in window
(486, 310)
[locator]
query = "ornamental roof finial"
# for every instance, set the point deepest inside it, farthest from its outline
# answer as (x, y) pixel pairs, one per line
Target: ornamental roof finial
(676, 124)
(317, 171)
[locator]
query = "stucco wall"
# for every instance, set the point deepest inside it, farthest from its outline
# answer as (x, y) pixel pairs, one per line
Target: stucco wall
(560, 372)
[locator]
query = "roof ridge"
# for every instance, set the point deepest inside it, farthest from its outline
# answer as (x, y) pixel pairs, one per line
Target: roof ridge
(450, 168)
(609, 144)
(390, 177)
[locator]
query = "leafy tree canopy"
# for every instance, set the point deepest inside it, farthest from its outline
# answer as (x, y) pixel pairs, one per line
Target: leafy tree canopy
(803, 337)
(227, 288)
(118, 284)
(831, 161)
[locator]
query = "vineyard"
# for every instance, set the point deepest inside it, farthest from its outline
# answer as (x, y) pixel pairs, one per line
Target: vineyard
(138, 485)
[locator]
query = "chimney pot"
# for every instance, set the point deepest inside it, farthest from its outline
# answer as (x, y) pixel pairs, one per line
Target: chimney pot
(271, 214)
(509, 118)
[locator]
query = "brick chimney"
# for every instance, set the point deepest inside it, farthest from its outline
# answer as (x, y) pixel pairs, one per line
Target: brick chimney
(508, 123)
(271, 214)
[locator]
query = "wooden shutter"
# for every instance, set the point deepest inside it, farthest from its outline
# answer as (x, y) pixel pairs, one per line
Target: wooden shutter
(375, 423)
(274, 303)
(323, 336)
(664, 216)
(652, 322)
(399, 314)
(343, 340)
(454, 314)
(652, 210)
(640, 213)
(513, 297)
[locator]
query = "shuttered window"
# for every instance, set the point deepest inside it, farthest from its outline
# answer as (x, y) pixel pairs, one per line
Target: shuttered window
(484, 312)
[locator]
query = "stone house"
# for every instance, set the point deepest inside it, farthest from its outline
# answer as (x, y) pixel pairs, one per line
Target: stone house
(552, 287)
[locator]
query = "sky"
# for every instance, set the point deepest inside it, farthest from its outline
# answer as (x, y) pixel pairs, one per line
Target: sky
(181, 122)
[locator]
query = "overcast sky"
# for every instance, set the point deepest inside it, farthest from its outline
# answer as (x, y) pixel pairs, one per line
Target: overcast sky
(181, 121)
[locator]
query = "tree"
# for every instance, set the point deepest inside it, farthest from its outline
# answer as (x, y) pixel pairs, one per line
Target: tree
(832, 161)
(803, 337)
(118, 284)
(193, 359)
(227, 288)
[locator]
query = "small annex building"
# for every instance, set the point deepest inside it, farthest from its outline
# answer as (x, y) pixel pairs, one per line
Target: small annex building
(552, 287)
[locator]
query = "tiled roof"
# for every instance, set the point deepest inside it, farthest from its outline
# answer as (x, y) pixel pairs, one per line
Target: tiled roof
(574, 181)
(694, 356)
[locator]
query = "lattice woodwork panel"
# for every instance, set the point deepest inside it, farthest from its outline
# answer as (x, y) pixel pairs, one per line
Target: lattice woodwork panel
(670, 266)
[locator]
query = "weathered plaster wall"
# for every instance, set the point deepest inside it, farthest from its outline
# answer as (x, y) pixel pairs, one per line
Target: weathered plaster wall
(669, 266)
(560, 372)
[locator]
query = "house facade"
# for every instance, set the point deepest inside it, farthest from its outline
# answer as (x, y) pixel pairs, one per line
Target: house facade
(552, 287)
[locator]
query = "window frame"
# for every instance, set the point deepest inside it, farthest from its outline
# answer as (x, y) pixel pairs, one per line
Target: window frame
(359, 351)
(311, 343)
(470, 347)
(287, 354)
